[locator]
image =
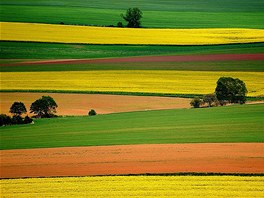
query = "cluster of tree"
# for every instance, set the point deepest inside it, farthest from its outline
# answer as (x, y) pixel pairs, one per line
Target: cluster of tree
(17, 109)
(228, 90)
(45, 107)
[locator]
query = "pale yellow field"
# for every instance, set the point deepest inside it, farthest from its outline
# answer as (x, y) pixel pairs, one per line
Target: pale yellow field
(135, 186)
(181, 82)
(105, 35)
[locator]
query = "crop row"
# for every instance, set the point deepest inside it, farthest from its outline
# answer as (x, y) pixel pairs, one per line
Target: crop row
(172, 82)
(136, 186)
(103, 35)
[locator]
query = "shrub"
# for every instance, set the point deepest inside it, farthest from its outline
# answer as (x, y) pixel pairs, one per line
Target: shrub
(92, 112)
(211, 100)
(120, 24)
(16, 119)
(28, 120)
(196, 102)
(5, 120)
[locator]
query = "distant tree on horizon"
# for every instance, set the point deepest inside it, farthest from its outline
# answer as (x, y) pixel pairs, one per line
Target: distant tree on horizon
(133, 16)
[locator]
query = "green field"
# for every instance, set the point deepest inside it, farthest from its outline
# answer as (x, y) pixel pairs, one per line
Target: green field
(24, 50)
(223, 124)
(172, 13)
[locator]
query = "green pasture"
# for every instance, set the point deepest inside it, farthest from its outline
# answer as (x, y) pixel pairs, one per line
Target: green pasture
(157, 13)
(31, 50)
(240, 66)
(239, 123)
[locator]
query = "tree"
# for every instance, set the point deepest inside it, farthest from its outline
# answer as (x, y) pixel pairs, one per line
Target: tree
(133, 16)
(231, 90)
(196, 102)
(92, 112)
(210, 99)
(18, 108)
(44, 107)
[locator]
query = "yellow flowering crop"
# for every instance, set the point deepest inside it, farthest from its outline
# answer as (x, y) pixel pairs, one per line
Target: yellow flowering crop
(104, 35)
(135, 186)
(181, 82)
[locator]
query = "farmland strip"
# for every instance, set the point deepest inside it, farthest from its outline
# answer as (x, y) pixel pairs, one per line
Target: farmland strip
(148, 59)
(169, 82)
(103, 35)
(133, 159)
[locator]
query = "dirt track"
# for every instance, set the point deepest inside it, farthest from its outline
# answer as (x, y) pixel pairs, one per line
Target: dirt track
(79, 104)
(133, 159)
(178, 58)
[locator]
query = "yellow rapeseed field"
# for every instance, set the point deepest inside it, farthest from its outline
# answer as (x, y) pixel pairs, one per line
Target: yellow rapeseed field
(180, 82)
(104, 35)
(135, 186)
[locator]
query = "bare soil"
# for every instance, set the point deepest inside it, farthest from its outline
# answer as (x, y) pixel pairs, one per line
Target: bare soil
(133, 159)
(178, 58)
(80, 104)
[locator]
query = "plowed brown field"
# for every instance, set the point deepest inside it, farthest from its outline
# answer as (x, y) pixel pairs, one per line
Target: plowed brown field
(80, 104)
(134, 159)
(178, 58)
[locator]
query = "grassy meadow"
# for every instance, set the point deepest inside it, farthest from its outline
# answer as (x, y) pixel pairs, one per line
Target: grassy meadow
(244, 124)
(32, 50)
(172, 14)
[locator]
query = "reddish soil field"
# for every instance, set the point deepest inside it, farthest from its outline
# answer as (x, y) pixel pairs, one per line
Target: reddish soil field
(133, 159)
(80, 104)
(178, 58)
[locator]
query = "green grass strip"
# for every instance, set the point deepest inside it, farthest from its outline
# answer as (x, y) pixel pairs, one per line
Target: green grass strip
(238, 123)
(35, 50)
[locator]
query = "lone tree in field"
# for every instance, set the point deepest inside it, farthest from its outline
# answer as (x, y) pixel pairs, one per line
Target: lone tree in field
(133, 16)
(231, 90)
(44, 107)
(18, 108)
